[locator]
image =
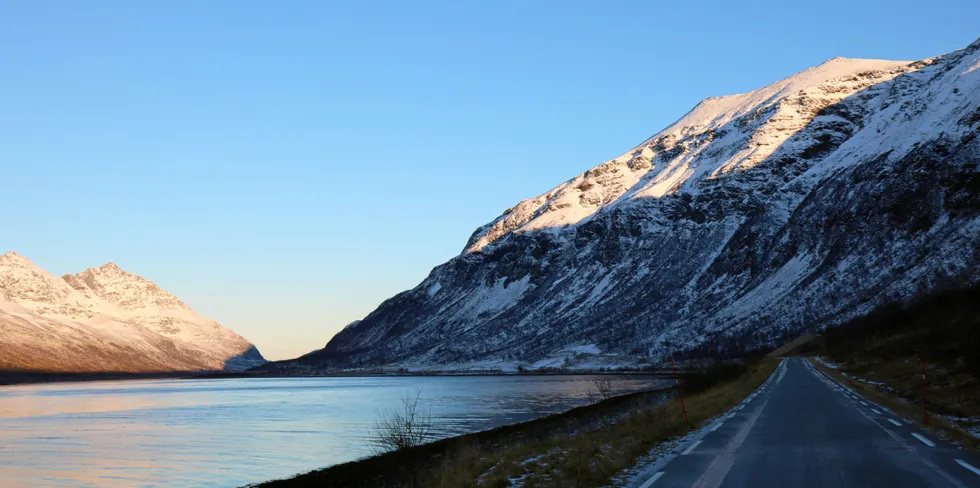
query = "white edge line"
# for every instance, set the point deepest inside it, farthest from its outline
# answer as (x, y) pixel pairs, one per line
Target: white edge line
(691, 448)
(924, 440)
(895, 422)
(666, 460)
(967, 466)
(876, 411)
(953, 481)
(652, 479)
(716, 426)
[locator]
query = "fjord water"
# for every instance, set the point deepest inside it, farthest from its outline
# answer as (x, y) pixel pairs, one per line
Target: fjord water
(233, 432)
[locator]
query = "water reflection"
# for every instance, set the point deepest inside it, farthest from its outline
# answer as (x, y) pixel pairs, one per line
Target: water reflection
(238, 431)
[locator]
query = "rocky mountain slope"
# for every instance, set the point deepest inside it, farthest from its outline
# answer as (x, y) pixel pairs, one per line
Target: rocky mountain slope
(754, 217)
(106, 320)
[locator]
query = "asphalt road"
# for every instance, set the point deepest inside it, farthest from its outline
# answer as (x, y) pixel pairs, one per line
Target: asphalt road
(802, 429)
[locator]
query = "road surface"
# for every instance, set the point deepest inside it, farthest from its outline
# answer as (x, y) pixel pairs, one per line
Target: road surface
(802, 429)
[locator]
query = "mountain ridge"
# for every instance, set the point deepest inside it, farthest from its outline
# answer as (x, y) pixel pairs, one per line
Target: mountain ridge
(106, 320)
(752, 218)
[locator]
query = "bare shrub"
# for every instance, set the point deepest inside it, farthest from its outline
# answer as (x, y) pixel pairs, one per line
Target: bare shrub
(603, 387)
(402, 427)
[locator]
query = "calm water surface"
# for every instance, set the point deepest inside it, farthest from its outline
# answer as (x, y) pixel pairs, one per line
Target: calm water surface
(238, 431)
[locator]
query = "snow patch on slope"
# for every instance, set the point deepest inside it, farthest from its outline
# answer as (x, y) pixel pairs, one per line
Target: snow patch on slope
(492, 299)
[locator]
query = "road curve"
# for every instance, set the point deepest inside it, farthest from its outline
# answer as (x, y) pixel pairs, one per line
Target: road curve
(802, 429)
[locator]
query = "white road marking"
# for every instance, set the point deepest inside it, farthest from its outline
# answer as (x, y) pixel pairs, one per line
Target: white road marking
(652, 479)
(691, 448)
(782, 372)
(719, 468)
(895, 422)
(901, 441)
(876, 411)
(924, 440)
(967, 466)
(737, 441)
(716, 426)
(739, 407)
(863, 403)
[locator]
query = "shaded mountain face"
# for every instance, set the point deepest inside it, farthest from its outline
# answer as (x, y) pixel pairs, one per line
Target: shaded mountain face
(754, 217)
(106, 320)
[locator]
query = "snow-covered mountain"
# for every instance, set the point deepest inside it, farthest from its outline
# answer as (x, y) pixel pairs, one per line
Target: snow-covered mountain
(106, 320)
(754, 217)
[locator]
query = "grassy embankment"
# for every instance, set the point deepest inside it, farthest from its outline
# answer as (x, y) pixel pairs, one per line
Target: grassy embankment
(879, 356)
(584, 447)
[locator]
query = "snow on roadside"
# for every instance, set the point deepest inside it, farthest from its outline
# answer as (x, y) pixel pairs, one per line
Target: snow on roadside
(877, 384)
(827, 363)
(970, 425)
(659, 453)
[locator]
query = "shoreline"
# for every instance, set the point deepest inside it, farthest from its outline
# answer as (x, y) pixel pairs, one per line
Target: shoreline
(619, 431)
(19, 378)
(361, 374)
(366, 471)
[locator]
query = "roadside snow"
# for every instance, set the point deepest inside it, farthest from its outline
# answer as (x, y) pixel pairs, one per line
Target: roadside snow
(827, 363)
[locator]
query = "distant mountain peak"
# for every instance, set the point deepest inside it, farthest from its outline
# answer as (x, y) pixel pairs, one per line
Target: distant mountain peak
(105, 319)
(110, 266)
(129, 291)
(22, 280)
(11, 256)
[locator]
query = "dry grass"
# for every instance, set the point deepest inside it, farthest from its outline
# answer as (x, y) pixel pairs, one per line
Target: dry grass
(593, 458)
(801, 346)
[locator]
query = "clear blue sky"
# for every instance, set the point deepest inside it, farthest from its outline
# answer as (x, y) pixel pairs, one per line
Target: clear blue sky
(284, 167)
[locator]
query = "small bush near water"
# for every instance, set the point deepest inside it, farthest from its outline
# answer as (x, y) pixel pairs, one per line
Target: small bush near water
(402, 428)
